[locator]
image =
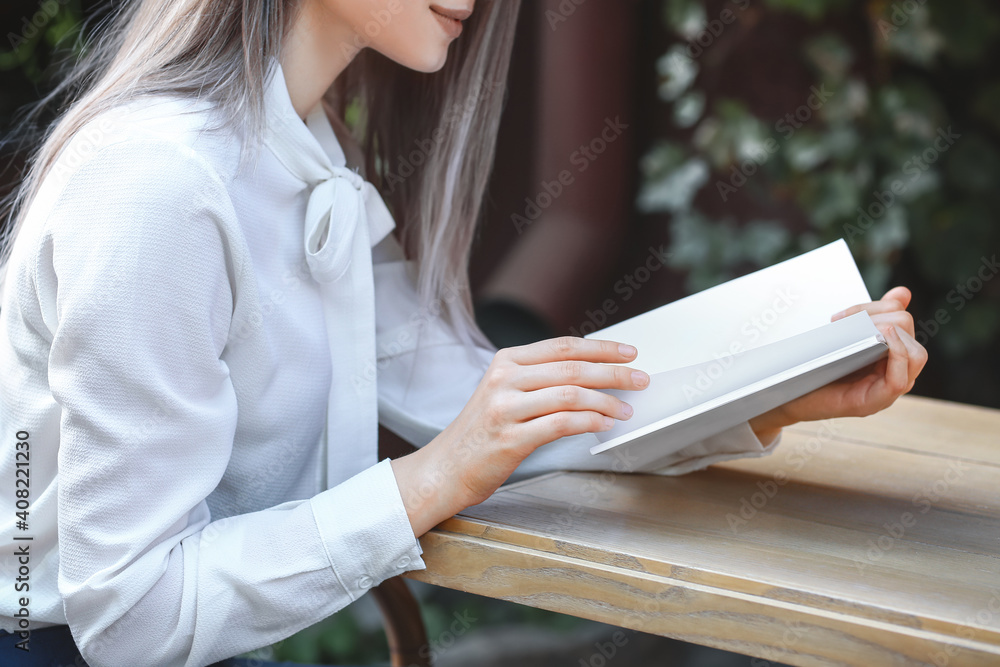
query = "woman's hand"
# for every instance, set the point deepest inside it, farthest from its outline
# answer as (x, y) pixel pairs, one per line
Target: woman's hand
(530, 395)
(868, 390)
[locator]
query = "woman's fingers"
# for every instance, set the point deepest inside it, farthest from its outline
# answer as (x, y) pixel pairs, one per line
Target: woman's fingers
(567, 348)
(545, 429)
(896, 299)
(873, 308)
(900, 319)
(897, 370)
(917, 355)
(580, 374)
(532, 404)
(896, 379)
(900, 294)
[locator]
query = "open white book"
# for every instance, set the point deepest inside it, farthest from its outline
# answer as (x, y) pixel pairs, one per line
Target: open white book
(737, 350)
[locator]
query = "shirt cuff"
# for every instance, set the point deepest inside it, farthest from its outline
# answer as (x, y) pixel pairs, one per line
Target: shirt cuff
(364, 527)
(736, 443)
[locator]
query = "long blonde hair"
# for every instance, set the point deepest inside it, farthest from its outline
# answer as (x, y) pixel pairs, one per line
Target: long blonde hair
(429, 139)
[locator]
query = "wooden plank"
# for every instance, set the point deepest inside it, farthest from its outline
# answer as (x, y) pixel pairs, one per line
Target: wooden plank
(931, 426)
(880, 548)
(802, 539)
(829, 457)
(753, 625)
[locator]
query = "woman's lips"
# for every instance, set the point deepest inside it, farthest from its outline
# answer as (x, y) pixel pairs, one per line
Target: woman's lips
(457, 14)
(451, 19)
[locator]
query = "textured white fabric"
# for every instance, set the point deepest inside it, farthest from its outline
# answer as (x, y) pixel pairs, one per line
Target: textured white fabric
(345, 216)
(165, 343)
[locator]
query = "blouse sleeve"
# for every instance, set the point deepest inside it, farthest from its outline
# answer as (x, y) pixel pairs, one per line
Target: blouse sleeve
(426, 376)
(144, 251)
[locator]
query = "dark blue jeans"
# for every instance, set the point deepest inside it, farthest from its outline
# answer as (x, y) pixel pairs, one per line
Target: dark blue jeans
(54, 647)
(48, 647)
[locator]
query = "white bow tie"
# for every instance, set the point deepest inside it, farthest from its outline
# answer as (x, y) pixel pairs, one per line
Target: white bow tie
(345, 218)
(338, 206)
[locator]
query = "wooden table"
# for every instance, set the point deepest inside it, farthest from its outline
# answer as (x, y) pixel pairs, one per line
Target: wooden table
(867, 542)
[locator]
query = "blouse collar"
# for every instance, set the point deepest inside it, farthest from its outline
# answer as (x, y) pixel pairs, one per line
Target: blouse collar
(311, 151)
(314, 139)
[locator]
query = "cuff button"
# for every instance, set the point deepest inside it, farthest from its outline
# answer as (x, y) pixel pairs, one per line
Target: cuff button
(365, 582)
(403, 562)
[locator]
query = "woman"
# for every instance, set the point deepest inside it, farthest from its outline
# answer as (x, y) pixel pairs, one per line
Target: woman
(206, 314)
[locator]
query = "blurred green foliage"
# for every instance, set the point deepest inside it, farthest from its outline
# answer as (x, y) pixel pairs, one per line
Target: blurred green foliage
(342, 639)
(870, 164)
(43, 28)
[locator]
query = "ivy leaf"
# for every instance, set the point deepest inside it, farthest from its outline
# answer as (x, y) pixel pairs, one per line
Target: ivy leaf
(677, 72)
(686, 17)
(675, 191)
(908, 33)
(689, 108)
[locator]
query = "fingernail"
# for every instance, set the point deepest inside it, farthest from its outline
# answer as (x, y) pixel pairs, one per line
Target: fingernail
(837, 316)
(626, 409)
(626, 350)
(640, 378)
(609, 422)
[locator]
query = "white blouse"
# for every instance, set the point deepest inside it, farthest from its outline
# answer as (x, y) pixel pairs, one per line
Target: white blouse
(172, 350)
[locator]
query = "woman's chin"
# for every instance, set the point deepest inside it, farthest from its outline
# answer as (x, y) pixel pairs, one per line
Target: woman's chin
(427, 62)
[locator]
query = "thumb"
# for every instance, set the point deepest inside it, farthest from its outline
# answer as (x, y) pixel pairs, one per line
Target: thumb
(900, 294)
